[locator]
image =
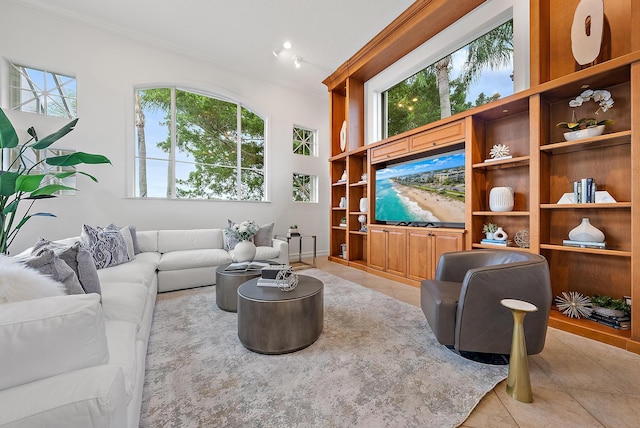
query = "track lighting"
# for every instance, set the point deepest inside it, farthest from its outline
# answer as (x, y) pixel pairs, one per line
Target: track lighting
(297, 61)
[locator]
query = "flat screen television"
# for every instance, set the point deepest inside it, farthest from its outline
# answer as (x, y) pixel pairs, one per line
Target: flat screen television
(428, 191)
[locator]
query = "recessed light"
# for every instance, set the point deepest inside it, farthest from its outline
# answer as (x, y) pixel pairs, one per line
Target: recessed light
(287, 45)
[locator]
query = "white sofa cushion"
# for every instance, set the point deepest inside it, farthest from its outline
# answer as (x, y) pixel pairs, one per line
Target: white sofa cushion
(147, 241)
(266, 253)
(195, 239)
(90, 397)
(45, 337)
(187, 259)
(121, 336)
(124, 301)
(141, 270)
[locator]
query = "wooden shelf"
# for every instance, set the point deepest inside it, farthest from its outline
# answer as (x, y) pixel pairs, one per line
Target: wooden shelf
(608, 205)
(359, 183)
(339, 183)
(590, 329)
(499, 247)
(504, 213)
(501, 164)
(601, 141)
(604, 252)
(357, 232)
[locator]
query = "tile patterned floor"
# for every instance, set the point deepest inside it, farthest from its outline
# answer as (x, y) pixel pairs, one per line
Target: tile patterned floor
(576, 382)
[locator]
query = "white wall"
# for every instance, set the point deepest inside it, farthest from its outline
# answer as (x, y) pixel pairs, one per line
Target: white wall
(107, 68)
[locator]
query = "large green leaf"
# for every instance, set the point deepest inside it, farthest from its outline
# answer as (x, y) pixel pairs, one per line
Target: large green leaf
(48, 190)
(26, 218)
(76, 158)
(8, 183)
(52, 138)
(29, 183)
(8, 136)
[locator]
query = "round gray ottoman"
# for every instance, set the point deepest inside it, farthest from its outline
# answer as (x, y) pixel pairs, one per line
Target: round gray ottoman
(227, 283)
(271, 321)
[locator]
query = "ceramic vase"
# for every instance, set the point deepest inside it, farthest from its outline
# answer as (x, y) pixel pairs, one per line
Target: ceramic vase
(586, 232)
(343, 202)
(364, 205)
(500, 235)
(594, 131)
(501, 199)
(244, 251)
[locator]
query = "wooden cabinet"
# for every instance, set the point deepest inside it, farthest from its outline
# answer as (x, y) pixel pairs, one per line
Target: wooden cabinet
(425, 248)
(389, 151)
(388, 249)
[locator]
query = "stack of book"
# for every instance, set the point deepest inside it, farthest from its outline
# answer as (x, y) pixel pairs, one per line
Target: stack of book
(503, 243)
(270, 274)
(584, 191)
(584, 244)
(621, 323)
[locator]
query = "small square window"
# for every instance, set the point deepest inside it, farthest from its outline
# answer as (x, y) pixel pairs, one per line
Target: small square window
(42, 92)
(304, 141)
(305, 188)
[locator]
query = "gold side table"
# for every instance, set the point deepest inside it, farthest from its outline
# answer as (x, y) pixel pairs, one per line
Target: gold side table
(518, 381)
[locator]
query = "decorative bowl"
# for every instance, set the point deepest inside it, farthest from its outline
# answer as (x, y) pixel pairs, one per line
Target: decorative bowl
(584, 133)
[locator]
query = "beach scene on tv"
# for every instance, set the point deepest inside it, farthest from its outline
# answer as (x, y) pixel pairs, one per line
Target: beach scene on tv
(429, 190)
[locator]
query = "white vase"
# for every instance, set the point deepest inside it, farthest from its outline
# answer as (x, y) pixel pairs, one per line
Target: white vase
(490, 235)
(500, 235)
(244, 251)
(586, 232)
(501, 199)
(584, 133)
(364, 205)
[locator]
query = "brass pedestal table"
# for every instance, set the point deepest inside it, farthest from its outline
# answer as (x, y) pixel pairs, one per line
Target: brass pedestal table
(518, 381)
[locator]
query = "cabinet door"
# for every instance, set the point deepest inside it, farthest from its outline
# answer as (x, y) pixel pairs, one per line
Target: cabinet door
(419, 255)
(377, 247)
(444, 242)
(397, 252)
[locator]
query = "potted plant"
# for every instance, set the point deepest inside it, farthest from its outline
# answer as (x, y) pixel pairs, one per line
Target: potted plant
(293, 230)
(608, 306)
(588, 126)
(21, 181)
(489, 229)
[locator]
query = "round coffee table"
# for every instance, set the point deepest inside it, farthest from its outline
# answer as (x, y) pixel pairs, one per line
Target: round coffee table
(271, 321)
(227, 283)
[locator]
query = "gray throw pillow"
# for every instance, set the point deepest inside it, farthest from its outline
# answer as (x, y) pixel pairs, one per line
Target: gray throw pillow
(263, 237)
(78, 258)
(48, 263)
(107, 246)
(134, 237)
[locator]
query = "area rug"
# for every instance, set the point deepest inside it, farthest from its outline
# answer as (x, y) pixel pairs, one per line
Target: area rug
(376, 364)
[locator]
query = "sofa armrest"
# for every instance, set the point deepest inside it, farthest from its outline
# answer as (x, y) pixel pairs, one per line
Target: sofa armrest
(45, 337)
(283, 251)
(90, 397)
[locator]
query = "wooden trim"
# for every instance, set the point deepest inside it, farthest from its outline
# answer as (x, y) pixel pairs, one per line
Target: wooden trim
(420, 22)
(635, 195)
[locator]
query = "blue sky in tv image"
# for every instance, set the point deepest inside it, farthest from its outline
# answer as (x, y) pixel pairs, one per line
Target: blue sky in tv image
(423, 190)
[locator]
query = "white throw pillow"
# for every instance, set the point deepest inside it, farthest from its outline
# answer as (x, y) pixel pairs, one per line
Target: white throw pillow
(19, 282)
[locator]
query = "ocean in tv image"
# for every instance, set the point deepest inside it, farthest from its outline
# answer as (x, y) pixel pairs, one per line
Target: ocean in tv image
(423, 190)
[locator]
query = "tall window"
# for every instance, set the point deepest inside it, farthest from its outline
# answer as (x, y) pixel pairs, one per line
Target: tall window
(195, 146)
(305, 188)
(42, 91)
(304, 141)
(478, 73)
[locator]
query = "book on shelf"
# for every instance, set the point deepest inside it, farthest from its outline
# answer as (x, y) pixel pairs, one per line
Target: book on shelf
(583, 244)
(584, 191)
(245, 266)
(262, 282)
(620, 325)
(496, 242)
(612, 319)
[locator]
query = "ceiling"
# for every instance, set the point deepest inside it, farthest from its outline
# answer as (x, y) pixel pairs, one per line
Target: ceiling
(241, 35)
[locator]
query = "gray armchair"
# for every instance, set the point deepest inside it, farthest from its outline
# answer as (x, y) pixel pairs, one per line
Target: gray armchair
(462, 303)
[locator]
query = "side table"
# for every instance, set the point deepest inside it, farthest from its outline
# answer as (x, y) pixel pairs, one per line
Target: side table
(300, 239)
(227, 283)
(518, 380)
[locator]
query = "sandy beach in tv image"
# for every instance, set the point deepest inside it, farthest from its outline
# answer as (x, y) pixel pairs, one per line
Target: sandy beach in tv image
(423, 190)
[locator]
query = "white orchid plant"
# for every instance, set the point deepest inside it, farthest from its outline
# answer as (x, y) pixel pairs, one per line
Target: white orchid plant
(243, 231)
(600, 96)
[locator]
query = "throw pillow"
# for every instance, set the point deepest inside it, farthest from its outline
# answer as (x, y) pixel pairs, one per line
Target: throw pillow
(19, 282)
(48, 263)
(107, 246)
(78, 258)
(263, 237)
(134, 237)
(128, 239)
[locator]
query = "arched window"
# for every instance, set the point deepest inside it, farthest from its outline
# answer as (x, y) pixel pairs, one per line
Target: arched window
(192, 145)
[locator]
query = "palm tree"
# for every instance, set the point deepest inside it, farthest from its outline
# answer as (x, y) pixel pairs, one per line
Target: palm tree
(493, 50)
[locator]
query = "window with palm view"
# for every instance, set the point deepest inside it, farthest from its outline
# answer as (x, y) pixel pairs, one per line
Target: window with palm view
(475, 74)
(196, 146)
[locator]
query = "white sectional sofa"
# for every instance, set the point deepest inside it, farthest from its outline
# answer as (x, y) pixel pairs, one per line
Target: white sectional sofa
(79, 360)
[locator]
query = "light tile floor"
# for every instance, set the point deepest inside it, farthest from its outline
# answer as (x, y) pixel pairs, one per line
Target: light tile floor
(576, 382)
